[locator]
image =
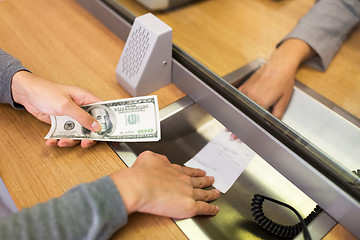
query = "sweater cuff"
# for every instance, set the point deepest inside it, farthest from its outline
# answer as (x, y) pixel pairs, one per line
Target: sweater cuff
(111, 208)
(319, 61)
(13, 67)
(325, 31)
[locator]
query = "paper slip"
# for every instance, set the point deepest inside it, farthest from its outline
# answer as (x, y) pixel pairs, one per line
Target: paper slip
(225, 157)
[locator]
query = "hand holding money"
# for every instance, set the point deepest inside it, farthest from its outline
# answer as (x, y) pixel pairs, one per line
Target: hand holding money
(124, 120)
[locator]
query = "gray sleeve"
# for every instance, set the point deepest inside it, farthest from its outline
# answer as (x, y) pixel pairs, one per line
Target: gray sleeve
(325, 28)
(8, 67)
(88, 211)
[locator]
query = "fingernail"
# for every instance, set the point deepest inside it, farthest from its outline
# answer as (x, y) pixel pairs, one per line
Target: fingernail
(87, 144)
(63, 144)
(217, 191)
(217, 208)
(96, 126)
(212, 178)
(51, 142)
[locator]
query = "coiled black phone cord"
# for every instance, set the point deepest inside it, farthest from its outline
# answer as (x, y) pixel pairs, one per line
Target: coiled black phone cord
(276, 228)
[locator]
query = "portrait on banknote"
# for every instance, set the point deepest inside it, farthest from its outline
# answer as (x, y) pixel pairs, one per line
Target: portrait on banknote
(106, 118)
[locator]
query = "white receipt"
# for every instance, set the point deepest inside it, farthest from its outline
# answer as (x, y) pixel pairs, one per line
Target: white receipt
(225, 157)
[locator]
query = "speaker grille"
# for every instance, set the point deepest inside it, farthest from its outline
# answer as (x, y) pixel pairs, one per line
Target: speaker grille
(135, 52)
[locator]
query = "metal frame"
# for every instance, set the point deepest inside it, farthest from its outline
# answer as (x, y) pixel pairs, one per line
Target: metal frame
(334, 200)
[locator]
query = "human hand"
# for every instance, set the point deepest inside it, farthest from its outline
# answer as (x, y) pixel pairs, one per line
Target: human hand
(154, 185)
(43, 98)
(272, 85)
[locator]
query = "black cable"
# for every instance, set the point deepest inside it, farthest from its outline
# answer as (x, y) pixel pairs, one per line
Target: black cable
(276, 228)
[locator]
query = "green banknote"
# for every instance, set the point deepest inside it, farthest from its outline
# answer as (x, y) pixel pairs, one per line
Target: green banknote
(124, 120)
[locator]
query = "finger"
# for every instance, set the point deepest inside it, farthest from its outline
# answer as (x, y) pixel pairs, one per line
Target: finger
(177, 167)
(204, 208)
(87, 143)
(44, 118)
(262, 99)
(280, 107)
(156, 158)
(202, 182)
(84, 118)
(51, 142)
(157, 155)
(83, 97)
(65, 142)
(193, 172)
(161, 156)
(206, 195)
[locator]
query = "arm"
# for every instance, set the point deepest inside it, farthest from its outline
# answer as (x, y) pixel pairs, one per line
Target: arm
(315, 40)
(8, 67)
(42, 98)
(96, 210)
(325, 28)
(88, 211)
(273, 83)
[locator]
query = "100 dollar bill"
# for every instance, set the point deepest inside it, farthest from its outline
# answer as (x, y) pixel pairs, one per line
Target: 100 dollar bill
(124, 120)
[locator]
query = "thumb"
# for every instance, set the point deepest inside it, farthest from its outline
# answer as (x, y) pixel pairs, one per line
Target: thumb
(83, 117)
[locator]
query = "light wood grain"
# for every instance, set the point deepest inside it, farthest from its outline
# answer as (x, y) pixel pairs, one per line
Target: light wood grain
(227, 34)
(60, 41)
(339, 232)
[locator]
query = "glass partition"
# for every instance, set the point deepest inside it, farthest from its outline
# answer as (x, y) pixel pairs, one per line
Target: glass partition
(214, 38)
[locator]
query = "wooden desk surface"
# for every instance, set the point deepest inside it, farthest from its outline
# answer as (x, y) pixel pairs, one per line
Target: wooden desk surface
(225, 35)
(60, 41)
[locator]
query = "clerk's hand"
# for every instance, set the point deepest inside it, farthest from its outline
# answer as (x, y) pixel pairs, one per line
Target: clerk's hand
(154, 185)
(43, 98)
(272, 85)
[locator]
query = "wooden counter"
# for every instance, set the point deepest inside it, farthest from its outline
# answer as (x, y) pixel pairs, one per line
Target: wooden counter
(224, 35)
(60, 41)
